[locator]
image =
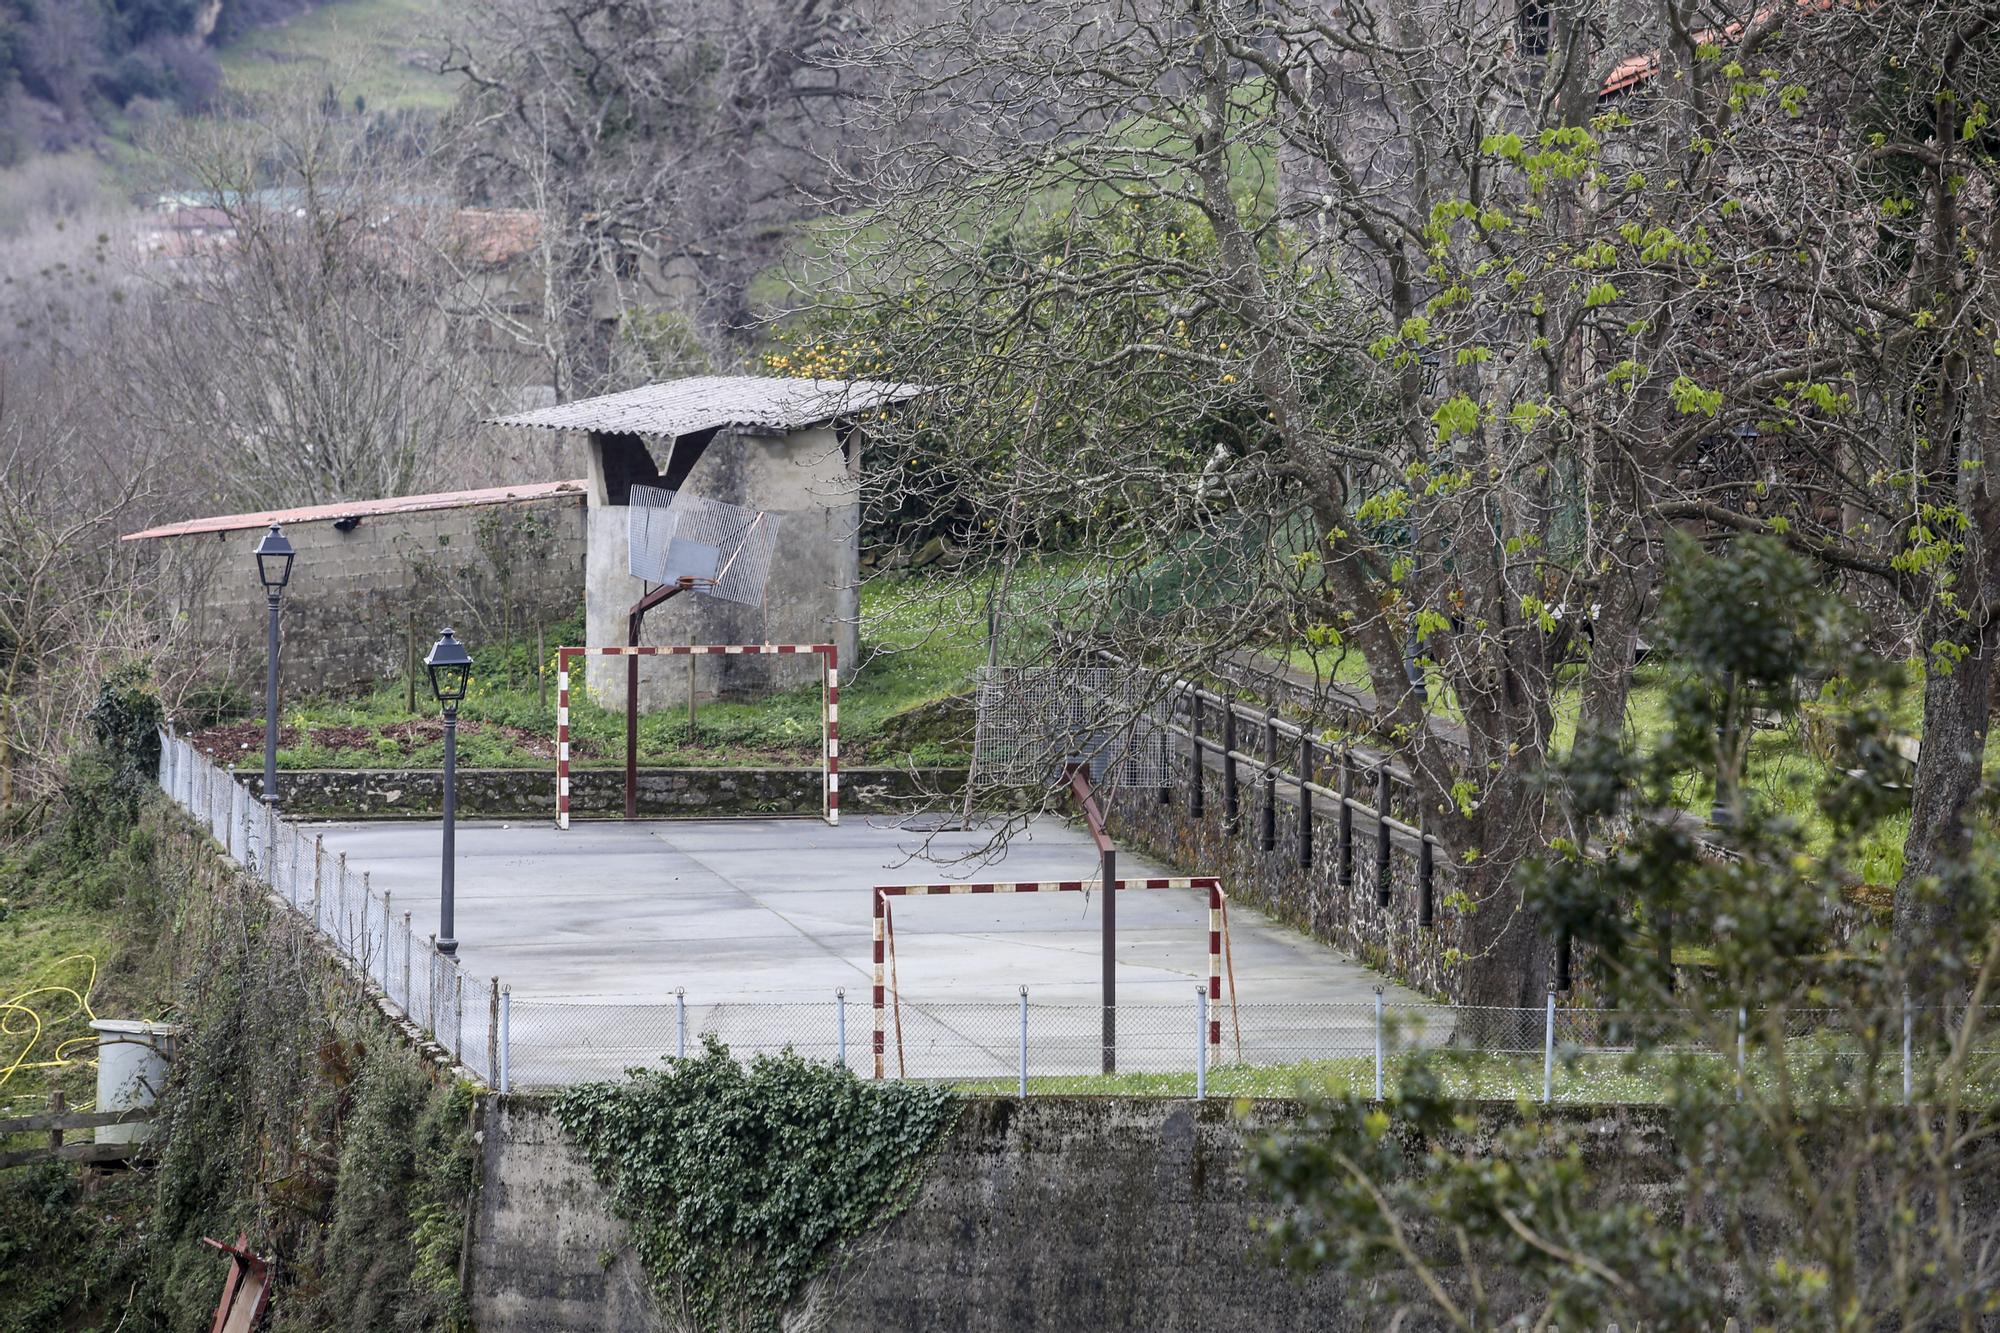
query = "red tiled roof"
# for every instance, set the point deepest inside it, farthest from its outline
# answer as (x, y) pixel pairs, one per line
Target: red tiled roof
(1632, 71)
(402, 504)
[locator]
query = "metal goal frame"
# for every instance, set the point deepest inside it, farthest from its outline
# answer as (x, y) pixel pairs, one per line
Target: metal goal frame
(879, 897)
(829, 655)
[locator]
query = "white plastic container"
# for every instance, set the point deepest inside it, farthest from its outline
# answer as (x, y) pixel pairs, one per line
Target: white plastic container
(132, 1061)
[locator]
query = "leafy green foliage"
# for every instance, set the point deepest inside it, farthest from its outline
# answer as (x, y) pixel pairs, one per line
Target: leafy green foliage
(1801, 1190)
(739, 1180)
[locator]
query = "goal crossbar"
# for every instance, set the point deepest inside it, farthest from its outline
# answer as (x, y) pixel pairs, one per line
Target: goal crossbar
(880, 894)
(829, 655)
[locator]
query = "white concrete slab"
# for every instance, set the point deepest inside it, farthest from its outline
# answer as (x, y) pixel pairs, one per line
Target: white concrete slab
(779, 911)
(742, 914)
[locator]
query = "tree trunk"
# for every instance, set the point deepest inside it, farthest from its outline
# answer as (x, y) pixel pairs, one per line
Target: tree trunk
(1957, 705)
(1509, 959)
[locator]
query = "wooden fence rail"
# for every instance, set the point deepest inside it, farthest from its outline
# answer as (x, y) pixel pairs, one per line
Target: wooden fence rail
(57, 1122)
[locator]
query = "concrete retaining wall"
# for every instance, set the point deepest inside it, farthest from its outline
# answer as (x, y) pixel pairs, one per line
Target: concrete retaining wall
(502, 793)
(1053, 1214)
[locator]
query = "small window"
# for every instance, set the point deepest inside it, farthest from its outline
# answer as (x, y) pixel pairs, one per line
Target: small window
(1535, 27)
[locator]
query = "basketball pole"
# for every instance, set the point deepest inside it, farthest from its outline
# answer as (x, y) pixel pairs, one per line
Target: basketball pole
(1079, 781)
(635, 621)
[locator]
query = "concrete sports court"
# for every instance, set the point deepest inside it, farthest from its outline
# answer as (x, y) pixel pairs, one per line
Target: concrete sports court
(777, 910)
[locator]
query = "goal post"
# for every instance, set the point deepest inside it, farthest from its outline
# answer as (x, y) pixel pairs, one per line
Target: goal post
(828, 654)
(879, 899)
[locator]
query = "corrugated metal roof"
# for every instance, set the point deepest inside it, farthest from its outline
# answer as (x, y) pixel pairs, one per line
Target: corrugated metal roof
(401, 504)
(711, 402)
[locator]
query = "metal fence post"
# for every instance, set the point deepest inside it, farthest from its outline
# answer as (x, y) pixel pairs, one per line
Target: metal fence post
(840, 1022)
(506, 1033)
(1344, 866)
(493, 1030)
(1549, 1048)
(1024, 1036)
(457, 1014)
(1305, 799)
(361, 916)
(1200, 1042)
(680, 1023)
(1231, 811)
(406, 964)
(319, 860)
(1267, 833)
(1382, 835)
(388, 933)
(1378, 1043)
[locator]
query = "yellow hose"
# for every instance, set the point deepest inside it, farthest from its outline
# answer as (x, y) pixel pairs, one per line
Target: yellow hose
(32, 1017)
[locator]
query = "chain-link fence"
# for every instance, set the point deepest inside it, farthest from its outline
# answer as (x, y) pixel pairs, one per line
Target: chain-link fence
(1020, 1044)
(432, 990)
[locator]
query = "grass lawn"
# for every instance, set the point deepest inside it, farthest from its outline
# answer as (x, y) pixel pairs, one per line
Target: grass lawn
(922, 641)
(1586, 1076)
(71, 948)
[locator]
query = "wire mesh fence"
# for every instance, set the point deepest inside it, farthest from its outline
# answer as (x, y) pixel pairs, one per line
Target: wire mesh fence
(1023, 1045)
(361, 924)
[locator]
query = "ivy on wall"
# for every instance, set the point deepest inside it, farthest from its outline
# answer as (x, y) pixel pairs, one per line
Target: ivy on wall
(738, 1180)
(293, 1111)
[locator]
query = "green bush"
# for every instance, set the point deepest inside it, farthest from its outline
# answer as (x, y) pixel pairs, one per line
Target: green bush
(738, 1181)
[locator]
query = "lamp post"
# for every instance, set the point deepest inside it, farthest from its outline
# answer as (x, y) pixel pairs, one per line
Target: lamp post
(450, 668)
(274, 570)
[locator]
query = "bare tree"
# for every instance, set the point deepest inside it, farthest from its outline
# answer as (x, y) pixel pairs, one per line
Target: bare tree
(667, 146)
(311, 349)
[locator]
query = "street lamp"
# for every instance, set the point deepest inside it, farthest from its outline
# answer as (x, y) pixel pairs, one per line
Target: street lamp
(450, 668)
(274, 570)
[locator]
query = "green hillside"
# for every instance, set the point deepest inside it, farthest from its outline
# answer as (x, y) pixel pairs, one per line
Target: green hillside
(386, 52)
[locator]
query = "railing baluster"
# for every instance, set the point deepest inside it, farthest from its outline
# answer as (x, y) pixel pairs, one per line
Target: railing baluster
(1382, 834)
(1305, 799)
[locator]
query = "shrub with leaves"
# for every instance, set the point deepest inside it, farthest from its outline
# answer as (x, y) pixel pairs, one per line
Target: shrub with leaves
(739, 1180)
(1831, 1158)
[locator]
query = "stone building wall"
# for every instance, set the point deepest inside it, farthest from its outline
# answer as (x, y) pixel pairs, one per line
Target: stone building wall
(359, 599)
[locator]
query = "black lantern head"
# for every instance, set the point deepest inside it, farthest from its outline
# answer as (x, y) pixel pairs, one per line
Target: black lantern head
(451, 668)
(274, 560)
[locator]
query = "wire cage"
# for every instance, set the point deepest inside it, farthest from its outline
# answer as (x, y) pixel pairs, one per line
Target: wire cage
(726, 549)
(1034, 722)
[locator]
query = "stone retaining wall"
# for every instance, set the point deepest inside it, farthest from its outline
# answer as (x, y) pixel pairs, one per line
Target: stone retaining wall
(1054, 1214)
(501, 793)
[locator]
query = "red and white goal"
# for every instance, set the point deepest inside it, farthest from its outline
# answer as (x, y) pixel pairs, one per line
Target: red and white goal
(829, 655)
(879, 896)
